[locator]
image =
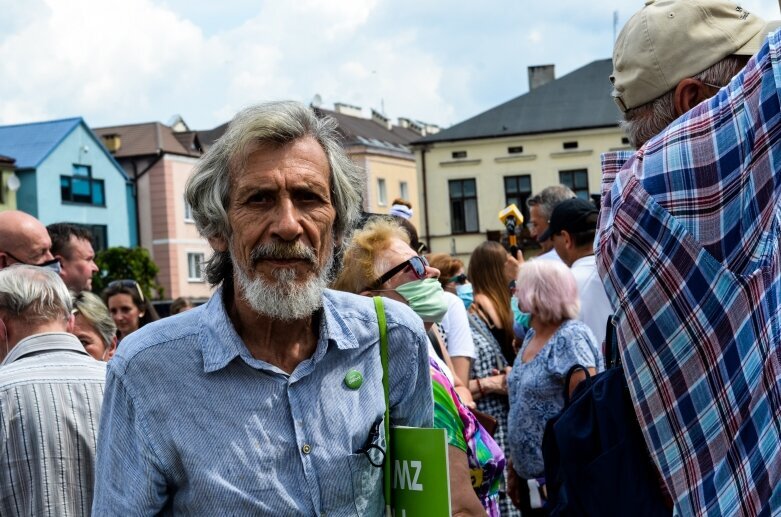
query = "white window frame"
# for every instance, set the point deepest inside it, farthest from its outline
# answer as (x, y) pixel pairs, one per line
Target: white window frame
(404, 190)
(198, 265)
(382, 192)
(188, 212)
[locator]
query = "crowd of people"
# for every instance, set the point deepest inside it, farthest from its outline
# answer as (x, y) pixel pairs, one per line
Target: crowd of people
(269, 398)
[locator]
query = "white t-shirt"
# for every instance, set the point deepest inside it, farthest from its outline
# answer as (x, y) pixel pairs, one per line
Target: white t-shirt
(550, 255)
(456, 327)
(594, 304)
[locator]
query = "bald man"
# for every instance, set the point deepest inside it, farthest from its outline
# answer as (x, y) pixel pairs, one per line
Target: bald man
(24, 240)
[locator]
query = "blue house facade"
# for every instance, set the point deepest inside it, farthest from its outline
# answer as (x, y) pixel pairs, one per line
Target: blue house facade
(67, 175)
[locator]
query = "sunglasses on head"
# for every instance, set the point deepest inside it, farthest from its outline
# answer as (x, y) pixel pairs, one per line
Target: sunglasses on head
(459, 279)
(130, 284)
(418, 265)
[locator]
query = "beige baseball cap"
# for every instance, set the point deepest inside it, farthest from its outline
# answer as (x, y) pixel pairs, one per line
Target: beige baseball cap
(670, 40)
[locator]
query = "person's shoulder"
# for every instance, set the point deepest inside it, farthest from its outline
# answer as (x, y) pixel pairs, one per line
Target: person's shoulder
(159, 339)
(356, 309)
(577, 334)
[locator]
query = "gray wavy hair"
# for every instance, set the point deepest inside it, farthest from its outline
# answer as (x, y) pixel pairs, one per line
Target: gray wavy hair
(276, 123)
(34, 294)
(644, 122)
(96, 313)
(549, 197)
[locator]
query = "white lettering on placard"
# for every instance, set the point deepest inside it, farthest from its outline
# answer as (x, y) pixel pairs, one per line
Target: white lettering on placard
(402, 479)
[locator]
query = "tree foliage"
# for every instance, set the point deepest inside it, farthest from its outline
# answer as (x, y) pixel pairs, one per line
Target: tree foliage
(121, 263)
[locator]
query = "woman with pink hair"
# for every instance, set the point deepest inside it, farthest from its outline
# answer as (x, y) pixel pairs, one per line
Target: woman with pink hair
(555, 342)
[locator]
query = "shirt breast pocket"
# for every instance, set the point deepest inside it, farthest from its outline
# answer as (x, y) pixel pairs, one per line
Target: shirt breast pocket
(366, 469)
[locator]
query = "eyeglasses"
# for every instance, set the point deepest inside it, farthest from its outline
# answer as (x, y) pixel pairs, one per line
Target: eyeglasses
(418, 265)
(459, 279)
(130, 284)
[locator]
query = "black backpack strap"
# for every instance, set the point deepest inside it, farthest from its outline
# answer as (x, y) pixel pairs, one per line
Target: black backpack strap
(612, 357)
(568, 378)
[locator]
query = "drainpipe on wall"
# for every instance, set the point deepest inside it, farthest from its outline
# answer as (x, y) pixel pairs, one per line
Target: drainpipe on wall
(425, 194)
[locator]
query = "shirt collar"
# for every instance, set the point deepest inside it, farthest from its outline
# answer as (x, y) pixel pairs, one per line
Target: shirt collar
(44, 342)
(221, 344)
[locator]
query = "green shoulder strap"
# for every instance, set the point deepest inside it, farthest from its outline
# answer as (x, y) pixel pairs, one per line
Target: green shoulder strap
(380, 308)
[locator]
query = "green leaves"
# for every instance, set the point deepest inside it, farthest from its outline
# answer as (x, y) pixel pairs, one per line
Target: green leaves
(127, 263)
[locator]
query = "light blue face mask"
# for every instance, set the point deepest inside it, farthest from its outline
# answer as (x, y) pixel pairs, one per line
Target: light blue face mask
(426, 298)
(464, 292)
(522, 320)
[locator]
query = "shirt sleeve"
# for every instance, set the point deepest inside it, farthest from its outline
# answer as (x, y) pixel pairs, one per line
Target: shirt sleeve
(128, 480)
(456, 325)
(573, 344)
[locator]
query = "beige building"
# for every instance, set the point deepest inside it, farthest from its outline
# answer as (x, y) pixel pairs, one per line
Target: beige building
(381, 148)
(553, 134)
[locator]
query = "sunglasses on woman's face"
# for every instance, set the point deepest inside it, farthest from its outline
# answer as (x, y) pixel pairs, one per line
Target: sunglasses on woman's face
(459, 279)
(416, 263)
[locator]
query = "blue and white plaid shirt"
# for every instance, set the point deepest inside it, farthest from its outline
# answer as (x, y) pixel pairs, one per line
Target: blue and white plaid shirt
(689, 250)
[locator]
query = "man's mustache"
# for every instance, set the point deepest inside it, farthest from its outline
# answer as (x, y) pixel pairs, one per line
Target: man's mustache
(283, 250)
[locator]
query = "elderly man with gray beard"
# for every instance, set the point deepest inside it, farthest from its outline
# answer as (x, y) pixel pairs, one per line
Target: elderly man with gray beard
(263, 400)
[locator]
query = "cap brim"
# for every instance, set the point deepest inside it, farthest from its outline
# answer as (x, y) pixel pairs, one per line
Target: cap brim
(753, 45)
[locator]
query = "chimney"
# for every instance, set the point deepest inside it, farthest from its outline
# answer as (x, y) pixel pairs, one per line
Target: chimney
(112, 142)
(381, 119)
(347, 109)
(540, 74)
(404, 122)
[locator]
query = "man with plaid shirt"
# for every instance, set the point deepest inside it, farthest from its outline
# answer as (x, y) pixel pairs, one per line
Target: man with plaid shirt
(689, 249)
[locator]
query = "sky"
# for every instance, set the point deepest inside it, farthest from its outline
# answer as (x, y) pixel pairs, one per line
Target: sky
(436, 61)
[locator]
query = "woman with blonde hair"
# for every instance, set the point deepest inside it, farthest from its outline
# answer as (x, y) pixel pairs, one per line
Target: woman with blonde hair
(378, 260)
(93, 325)
(555, 342)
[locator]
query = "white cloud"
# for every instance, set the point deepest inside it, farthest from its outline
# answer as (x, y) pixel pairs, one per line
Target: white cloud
(139, 60)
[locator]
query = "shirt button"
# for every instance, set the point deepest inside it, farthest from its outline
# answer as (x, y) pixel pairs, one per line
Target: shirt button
(306, 449)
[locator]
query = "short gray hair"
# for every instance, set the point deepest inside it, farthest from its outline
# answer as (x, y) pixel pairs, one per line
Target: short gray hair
(648, 120)
(549, 197)
(34, 294)
(276, 123)
(96, 313)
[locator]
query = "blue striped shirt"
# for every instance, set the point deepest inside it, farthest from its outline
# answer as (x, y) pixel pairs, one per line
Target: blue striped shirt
(50, 398)
(194, 425)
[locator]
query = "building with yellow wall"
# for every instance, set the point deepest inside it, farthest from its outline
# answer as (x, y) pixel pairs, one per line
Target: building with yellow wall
(553, 134)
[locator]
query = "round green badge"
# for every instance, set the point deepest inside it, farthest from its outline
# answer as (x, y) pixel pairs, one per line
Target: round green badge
(353, 379)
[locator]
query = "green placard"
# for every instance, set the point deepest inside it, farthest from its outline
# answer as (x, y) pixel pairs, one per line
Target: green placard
(420, 480)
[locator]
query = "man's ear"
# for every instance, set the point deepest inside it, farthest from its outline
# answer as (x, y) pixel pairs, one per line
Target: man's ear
(219, 243)
(688, 93)
(71, 324)
(569, 242)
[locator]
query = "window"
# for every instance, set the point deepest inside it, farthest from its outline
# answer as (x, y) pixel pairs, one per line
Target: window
(518, 149)
(188, 212)
(404, 190)
(576, 180)
(82, 188)
(517, 189)
(463, 206)
(195, 267)
(458, 154)
(382, 192)
(570, 145)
